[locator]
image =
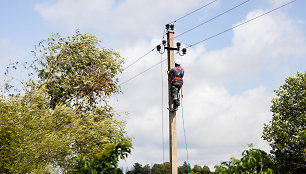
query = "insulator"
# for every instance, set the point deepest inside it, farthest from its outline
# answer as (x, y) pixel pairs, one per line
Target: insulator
(167, 26)
(178, 44)
(184, 50)
(158, 47)
(172, 26)
(164, 42)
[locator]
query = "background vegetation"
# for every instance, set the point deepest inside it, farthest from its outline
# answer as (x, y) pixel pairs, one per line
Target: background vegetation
(61, 122)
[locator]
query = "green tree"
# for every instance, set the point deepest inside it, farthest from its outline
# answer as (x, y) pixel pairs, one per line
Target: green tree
(252, 161)
(286, 132)
(105, 162)
(184, 169)
(206, 170)
(64, 114)
(147, 169)
(77, 70)
(199, 170)
(161, 168)
(137, 169)
(33, 136)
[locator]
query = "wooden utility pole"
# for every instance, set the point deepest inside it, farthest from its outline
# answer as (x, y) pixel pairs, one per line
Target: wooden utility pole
(172, 114)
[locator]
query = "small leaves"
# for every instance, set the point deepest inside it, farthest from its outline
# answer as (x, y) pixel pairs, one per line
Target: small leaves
(286, 130)
(83, 70)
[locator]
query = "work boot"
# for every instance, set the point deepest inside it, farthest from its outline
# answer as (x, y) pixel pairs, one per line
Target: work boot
(178, 103)
(175, 105)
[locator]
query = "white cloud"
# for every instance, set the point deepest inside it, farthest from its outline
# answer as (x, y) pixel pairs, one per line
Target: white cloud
(278, 2)
(258, 45)
(218, 123)
(123, 21)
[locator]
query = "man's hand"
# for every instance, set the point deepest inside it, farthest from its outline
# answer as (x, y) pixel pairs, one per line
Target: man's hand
(168, 72)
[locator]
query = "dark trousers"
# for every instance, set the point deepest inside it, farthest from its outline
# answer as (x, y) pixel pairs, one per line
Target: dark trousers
(175, 90)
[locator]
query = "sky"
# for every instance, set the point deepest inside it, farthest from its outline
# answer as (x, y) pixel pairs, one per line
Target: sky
(229, 79)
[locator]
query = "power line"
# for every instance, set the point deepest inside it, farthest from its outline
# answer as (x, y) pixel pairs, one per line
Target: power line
(241, 24)
(139, 59)
(142, 72)
(162, 104)
(221, 14)
(164, 32)
(193, 12)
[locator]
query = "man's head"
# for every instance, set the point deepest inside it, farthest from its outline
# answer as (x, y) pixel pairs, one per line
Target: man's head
(177, 62)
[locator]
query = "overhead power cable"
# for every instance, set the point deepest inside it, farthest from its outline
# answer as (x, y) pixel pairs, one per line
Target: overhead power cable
(164, 32)
(245, 22)
(162, 104)
(193, 12)
(221, 14)
(139, 59)
(143, 72)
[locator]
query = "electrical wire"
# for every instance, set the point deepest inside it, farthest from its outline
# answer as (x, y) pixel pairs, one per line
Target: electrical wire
(192, 12)
(139, 59)
(208, 38)
(164, 33)
(245, 22)
(142, 72)
(221, 14)
(162, 105)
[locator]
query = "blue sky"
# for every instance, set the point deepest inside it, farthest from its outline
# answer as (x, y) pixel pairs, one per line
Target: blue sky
(229, 79)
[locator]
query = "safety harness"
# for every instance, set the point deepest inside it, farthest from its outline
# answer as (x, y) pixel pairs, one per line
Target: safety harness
(179, 77)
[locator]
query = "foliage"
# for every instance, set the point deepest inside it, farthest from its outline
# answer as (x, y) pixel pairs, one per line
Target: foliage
(31, 134)
(55, 119)
(137, 168)
(184, 169)
(76, 71)
(34, 136)
(199, 170)
(164, 168)
(286, 132)
(252, 161)
(105, 162)
(161, 168)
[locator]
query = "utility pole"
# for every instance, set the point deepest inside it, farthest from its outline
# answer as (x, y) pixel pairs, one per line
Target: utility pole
(169, 46)
(172, 115)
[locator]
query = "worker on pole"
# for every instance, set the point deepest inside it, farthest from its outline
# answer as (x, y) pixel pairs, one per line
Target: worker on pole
(176, 74)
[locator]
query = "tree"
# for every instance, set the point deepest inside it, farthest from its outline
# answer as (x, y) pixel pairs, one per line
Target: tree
(199, 170)
(184, 169)
(286, 132)
(147, 169)
(161, 168)
(105, 162)
(137, 169)
(76, 71)
(64, 115)
(252, 161)
(32, 136)
(206, 170)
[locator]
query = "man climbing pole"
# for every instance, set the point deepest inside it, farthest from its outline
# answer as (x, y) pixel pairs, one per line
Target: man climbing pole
(176, 78)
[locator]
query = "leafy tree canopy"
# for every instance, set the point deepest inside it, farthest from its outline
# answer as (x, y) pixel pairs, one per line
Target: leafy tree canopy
(60, 117)
(252, 161)
(77, 70)
(286, 132)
